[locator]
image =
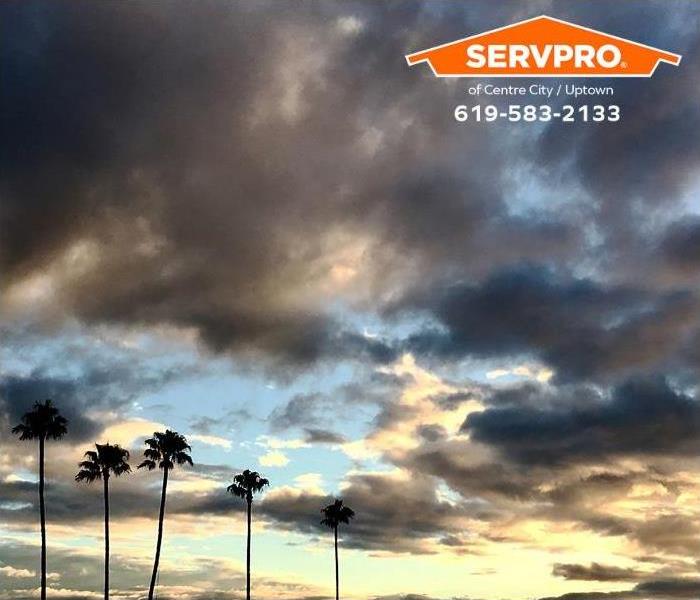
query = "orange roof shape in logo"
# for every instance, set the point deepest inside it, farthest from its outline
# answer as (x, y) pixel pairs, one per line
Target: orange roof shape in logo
(543, 47)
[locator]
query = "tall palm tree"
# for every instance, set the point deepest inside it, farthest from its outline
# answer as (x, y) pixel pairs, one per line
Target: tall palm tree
(245, 485)
(106, 460)
(333, 515)
(43, 422)
(165, 450)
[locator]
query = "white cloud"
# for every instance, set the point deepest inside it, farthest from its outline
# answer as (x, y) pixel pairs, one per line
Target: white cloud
(127, 432)
(14, 478)
(211, 440)
(541, 374)
(310, 482)
(9, 571)
(274, 458)
(267, 441)
(350, 25)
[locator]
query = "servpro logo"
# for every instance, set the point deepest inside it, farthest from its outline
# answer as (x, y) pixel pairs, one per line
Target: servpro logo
(543, 47)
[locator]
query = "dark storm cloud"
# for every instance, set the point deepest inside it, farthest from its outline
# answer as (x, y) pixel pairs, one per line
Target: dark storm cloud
(132, 494)
(671, 588)
(593, 596)
(660, 589)
(485, 480)
(99, 387)
(596, 572)
(629, 171)
(432, 433)
(454, 400)
(302, 409)
(204, 425)
(680, 246)
(415, 597)
(317, 412)
(322, 436)
(159, 261)
(201, 189)
(580, 327)
(642, 417)
(392, 515)
(573, 484)
(230, 419)
(583, 489)
(71, 502)
(646, 164)
(18, 394)
(675, 534)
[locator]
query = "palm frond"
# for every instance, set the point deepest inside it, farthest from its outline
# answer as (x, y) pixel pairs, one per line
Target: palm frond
(166, 448)
(89, 475)
(246, 484)
(89, 465)
(183, 458)
(152, 454)
(121, 469)
(25, 432)
(108, 458)
(43, 421)
(336, 513)
(57, 428)
(237, 490)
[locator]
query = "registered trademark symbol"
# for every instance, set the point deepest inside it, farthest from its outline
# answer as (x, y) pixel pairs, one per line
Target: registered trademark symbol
(623, 64)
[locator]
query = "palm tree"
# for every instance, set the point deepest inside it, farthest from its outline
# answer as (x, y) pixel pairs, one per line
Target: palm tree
(42, 423)
(333, 515)
(165, 450)
(100, 464)
(245, 485)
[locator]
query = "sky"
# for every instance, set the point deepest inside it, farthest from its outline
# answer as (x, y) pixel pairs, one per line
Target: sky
(252, 223)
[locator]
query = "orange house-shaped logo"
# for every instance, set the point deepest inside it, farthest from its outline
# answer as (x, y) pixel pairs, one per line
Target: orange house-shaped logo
(543, 47)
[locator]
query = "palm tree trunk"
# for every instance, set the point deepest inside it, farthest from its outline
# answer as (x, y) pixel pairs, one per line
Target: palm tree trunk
(337, 577)
(247, 583)
(105, 478)
(42, 516)
(161, 517)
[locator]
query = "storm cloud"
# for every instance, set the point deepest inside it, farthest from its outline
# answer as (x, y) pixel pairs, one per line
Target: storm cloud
(646, 417)
(580, 327)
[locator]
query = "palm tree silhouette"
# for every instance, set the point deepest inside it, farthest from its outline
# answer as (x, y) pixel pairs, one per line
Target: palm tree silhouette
(245, 485)
(165, 450)
(333, 515)
(43, 422)
(107, 459)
